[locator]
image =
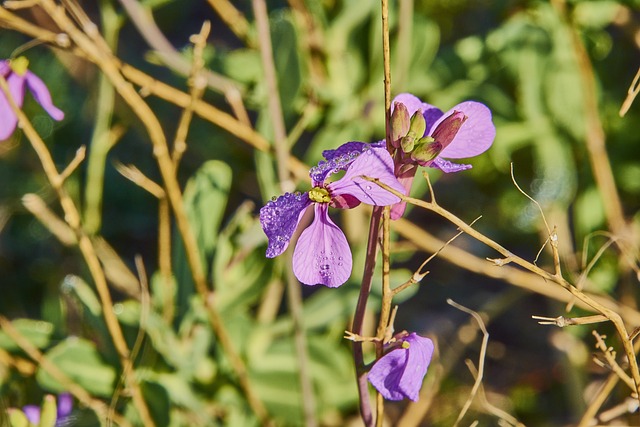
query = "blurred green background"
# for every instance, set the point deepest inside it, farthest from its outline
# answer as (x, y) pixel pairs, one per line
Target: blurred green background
(517, 57)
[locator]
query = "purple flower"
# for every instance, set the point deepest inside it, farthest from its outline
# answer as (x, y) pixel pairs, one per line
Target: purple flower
(464, 131)
(64, 408)
(399, 373)
(322, 254)
(15, 72)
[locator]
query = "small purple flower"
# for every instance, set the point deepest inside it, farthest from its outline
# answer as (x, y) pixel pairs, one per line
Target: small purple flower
(399, 373)
(464, 131)
(322, 254)
(64, 408)
(18, 77)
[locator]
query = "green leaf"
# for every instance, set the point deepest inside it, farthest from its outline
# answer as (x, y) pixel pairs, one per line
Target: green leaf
(286, 60)
(37, 332)
(81, 362)
(205, 199)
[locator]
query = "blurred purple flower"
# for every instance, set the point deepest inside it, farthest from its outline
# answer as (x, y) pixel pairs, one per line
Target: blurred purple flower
(18, 77)
(322, 254)
(399, 373)
(64, 408)
(466, 130)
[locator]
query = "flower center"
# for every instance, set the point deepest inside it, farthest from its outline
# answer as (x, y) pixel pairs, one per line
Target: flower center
(406, 344)
(319, 195)
(19, 65)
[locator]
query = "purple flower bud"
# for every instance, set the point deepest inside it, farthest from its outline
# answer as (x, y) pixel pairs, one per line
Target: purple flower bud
(448, 128)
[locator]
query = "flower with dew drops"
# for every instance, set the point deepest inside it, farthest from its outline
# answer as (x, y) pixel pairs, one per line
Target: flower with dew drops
(399, 373)
(18, 78)
(322, 254)
(431, 136)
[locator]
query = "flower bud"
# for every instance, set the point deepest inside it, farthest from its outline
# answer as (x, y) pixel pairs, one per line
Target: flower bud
(407, 143)
(418, 125)
(427, 149)
(49, 411)
(448, 128)
(400, 122)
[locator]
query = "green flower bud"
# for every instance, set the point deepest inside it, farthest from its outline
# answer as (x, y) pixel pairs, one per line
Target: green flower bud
(48, 412)
(407, 143)
(427, 149)
(400, 122)
(17, 418)
(418, 125)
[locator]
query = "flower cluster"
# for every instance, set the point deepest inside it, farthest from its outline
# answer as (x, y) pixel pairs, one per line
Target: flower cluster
(16, 73)
(422, 135)
(322, 254)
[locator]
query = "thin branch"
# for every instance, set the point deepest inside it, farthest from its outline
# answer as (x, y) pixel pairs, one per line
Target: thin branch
(632, 92)
(483, 353)
(511, 258)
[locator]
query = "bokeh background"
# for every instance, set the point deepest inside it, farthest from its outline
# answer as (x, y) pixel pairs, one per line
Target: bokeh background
(533, 63)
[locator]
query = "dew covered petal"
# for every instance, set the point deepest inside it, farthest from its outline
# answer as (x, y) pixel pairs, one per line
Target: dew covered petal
(279, 219)
(322, 255)
(447, 166)
(475, 135)
(339, 159)
(374, 163)
(41, 94)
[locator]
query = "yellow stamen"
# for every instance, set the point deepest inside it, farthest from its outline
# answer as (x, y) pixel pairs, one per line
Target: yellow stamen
(406, 344)
(319, 195)
(19, 65)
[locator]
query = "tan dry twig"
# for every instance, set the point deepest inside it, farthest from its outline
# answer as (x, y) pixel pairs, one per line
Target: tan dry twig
(509, 257)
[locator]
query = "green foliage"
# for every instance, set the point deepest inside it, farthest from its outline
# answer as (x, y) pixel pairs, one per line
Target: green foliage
(518, 58)
(80, 361)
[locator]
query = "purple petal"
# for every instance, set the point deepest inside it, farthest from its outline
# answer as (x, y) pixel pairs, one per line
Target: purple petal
(447, 166)
(279, 219)
(5, 68)
(431, 114)
(33, 413)
(405, 177)
(374, 163)
(387, 373)
(9, 118)
(41, 94)
(322, 255)
(65, 404)
(399, 373)
(419, 357)
(339, 159)
(475, 135)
